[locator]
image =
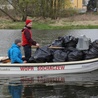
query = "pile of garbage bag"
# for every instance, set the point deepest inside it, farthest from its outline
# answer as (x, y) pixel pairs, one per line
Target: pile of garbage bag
(74, 49)
(92, 52)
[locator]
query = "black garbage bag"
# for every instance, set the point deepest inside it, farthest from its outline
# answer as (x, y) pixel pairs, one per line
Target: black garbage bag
(70, 41)
(95, 44)
(58, 42)
(71, 49)
(41, 55)
(91, 53)
(32, 60)
(60, 56)
(75, 55)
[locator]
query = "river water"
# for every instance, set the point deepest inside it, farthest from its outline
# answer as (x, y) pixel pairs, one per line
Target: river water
(48, 86)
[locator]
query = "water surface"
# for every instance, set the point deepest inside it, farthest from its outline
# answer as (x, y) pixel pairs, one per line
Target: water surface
(43, 37)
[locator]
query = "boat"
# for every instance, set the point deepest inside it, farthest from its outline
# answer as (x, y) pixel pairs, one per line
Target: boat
(50, 68)
(83, 66)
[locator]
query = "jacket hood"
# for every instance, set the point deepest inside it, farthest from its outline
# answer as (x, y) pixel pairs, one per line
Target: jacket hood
(14, 46)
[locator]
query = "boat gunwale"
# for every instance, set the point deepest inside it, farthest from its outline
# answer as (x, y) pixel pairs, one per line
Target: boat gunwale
(49, 64)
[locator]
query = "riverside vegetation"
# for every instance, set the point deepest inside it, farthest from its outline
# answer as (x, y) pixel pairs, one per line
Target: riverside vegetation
(47, 14)
(80, 21)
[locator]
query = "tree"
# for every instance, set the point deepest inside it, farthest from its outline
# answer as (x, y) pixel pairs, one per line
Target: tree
(4, 9)
(97, 4)
(20, 8)
(92, 5)
(35, 8)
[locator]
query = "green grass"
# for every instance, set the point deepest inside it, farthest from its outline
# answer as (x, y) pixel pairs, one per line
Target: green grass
(43, 26)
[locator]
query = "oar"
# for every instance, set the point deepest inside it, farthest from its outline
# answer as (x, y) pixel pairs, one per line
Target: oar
(51, 47)
(35, 47)
(56, 47)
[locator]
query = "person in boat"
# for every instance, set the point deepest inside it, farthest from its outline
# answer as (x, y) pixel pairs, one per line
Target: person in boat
(27, 40)
(14, 53)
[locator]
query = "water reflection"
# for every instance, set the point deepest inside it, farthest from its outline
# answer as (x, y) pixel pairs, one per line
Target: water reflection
(52, 86)
(15, 90)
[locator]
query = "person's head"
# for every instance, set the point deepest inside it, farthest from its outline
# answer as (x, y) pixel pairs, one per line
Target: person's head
(18, 42)
(28, 23)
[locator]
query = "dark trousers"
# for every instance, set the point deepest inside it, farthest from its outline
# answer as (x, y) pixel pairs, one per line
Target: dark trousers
(27, 52)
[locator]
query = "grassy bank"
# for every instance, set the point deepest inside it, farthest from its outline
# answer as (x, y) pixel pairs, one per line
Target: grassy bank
(41, 26)
(75, 22)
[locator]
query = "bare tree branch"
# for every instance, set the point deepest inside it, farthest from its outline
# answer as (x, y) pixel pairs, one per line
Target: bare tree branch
(8, 15)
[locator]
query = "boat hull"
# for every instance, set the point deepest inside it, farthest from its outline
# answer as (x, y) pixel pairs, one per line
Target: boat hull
(50, 68)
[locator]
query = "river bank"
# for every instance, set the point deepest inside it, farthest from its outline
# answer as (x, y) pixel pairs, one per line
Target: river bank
(84, 21)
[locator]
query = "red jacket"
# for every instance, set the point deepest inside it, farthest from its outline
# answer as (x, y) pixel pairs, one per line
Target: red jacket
(27, 37)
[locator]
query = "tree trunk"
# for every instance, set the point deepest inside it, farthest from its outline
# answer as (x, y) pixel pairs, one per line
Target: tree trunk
(8, 15)
(97, 5)
(24, 18)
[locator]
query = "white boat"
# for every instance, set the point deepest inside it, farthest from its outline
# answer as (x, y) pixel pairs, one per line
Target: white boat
(50, 68)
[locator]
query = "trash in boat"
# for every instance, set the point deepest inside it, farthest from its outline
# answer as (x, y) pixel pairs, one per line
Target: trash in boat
(68, 48)
(83, 43)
